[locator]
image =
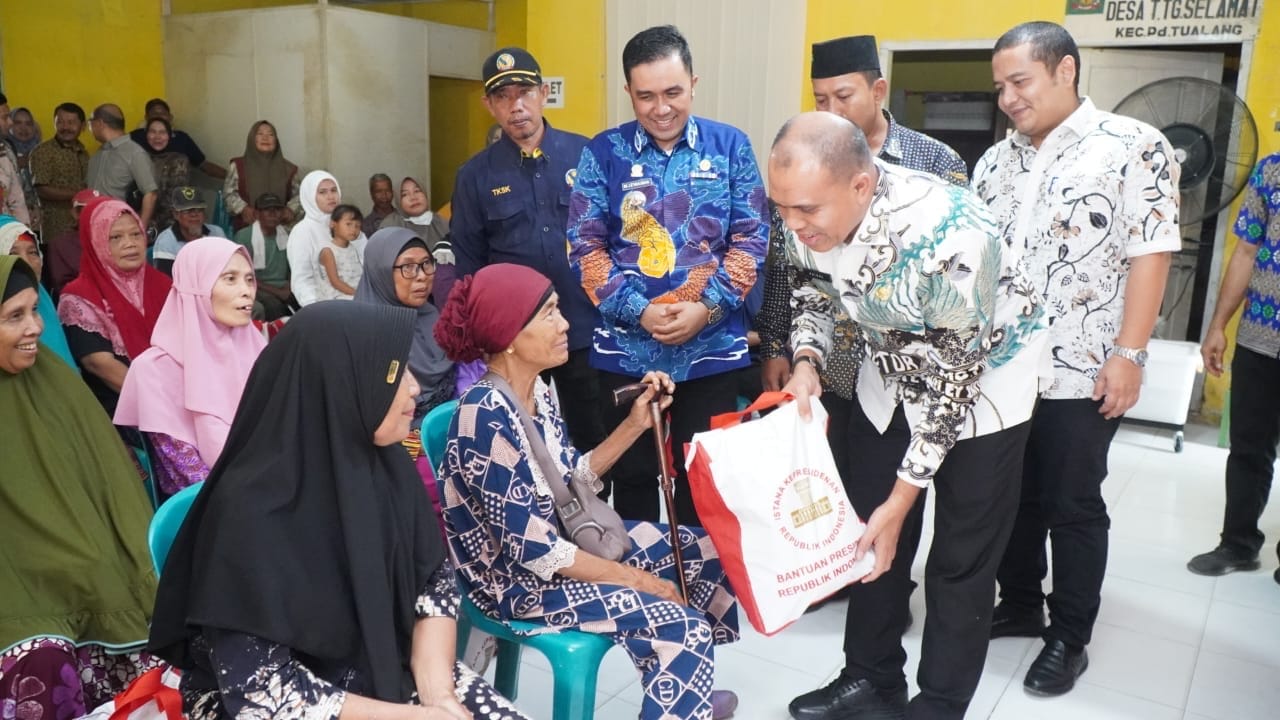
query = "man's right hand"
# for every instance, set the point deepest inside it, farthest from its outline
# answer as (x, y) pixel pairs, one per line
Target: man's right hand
(774, 373)
(1212, 350)
(804, 383)
(653, 316)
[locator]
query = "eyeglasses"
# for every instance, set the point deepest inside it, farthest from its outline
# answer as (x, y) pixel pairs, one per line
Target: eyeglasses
(409, 271)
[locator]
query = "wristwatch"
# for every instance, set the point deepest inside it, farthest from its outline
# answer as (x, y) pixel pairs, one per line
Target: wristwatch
(813, 362)
(714, 312)
(1137, 356)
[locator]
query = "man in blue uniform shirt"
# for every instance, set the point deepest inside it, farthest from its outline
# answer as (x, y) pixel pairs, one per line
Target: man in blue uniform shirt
(510, 205)
(668, 230)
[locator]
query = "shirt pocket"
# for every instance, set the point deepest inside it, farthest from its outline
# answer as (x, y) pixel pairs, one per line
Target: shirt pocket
(502, 218)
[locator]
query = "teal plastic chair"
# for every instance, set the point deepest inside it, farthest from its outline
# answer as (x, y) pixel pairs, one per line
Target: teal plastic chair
(167, 521)
(575, 657)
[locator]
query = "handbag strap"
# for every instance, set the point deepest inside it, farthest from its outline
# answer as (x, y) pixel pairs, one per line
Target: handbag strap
(533, 433)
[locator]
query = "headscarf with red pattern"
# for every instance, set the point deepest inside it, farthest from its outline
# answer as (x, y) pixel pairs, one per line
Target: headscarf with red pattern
(119, 305)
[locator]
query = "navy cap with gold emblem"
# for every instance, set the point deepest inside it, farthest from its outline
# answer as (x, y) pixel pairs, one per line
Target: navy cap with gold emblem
(185, 197)
(845, 55)
(508, 66)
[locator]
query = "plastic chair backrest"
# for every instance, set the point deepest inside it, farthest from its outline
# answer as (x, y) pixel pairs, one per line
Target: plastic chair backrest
(435, 432)
(167, 521)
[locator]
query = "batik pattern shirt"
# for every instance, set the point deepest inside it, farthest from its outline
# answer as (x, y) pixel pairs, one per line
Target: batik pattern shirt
(903, 147)
(951, 326)
(240, 675)
(1259, 224)
(647, 226)
(1102, 189)
(63, 167)
(498, 504)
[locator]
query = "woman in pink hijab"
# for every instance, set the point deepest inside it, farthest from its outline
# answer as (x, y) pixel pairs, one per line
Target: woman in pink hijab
(183, 391)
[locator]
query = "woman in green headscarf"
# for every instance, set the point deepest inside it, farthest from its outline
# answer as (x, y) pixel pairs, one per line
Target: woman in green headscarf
(76, 584)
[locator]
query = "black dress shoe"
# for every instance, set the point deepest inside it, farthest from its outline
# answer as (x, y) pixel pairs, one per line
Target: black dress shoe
(1222, 560)
(1008, 622)
(848, 699)
(1055, 669)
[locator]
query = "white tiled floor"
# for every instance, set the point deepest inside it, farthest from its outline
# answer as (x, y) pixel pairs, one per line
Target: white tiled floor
(1168, 644)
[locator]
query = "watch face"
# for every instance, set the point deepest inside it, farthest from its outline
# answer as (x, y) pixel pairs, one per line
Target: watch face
(1141, 357)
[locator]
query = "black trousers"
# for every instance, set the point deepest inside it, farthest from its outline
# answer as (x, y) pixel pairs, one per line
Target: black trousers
(1255, 429)
(1062, 499)
(636, 495)
(976, 496)
(578, 389)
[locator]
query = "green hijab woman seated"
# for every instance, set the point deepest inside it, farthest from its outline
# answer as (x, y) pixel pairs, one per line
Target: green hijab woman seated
(76, 584)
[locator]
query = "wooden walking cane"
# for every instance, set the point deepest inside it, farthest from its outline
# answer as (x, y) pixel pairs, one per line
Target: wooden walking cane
(622, 396)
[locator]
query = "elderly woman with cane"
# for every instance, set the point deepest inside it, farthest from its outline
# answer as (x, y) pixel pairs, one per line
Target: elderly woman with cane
(506, 469)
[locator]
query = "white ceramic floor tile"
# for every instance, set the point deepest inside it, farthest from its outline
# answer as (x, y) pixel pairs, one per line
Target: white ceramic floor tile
(812, 645)
(1153, 610)
(1225, 688)
(1244, 633)
(764, 688)
(619, 708)
(1184, 492)
(1085, 702)
(1140, 665)
(1256, 589)
(1154, 564)
(1185, 536)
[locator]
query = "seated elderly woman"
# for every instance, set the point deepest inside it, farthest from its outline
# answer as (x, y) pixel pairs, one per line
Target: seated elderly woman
(76, 583)
(513, 556)
(110, 309)
(310, 578)
(398, 272)
(183, 391)
(17, 239)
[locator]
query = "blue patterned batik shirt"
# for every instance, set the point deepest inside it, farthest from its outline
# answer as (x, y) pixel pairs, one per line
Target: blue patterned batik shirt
(647, 226)
(1259, 224)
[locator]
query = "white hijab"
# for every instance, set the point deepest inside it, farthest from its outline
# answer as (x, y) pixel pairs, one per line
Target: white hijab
(309, 237)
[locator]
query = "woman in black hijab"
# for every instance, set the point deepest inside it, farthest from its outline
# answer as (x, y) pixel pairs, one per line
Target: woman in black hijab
(309, 578)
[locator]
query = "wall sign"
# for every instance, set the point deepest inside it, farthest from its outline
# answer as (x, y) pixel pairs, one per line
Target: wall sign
(555, 97)
(1162, 22)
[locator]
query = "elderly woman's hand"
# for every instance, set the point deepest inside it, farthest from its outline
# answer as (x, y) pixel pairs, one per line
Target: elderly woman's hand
(647, 582)
(659, 382)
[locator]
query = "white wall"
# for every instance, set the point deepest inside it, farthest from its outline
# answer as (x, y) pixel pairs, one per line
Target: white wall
(346, 89)
(748, 56)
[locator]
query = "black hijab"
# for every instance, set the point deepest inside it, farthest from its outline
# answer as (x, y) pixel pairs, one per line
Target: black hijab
(306, 534)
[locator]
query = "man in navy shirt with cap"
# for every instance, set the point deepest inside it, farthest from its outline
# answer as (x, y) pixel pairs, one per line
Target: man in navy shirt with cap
(511, 204)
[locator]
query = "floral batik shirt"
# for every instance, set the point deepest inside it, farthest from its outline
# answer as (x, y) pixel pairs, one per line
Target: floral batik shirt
(1101, 189)
(1259, 224)
(949, 326)
(651, 226)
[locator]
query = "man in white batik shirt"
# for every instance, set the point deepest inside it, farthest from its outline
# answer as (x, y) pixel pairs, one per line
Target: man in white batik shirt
(1092, 199)
(948, 352)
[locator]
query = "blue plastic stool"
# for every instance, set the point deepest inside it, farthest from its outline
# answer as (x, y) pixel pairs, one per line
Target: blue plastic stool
(574, 656)
(167, 521)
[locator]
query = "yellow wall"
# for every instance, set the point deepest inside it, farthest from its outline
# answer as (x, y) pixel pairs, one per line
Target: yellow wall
(458, 124)
(86, 61)
(984, 20)
(581, 61)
